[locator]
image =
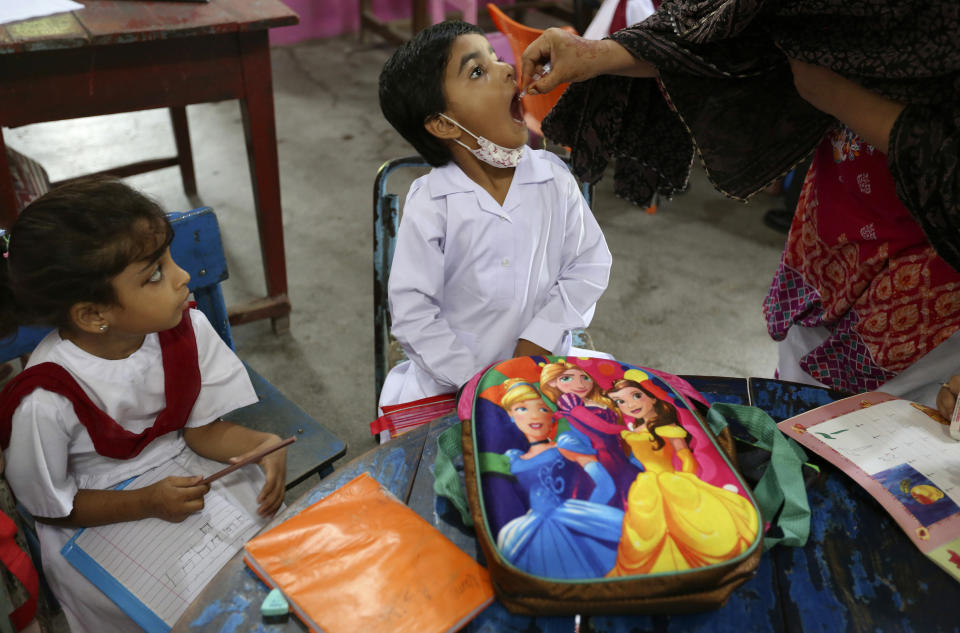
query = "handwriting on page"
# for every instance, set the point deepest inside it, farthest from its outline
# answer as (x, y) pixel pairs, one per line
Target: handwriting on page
(166, 565)
(886, 435)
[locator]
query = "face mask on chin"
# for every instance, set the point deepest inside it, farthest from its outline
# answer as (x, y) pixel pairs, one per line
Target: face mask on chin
(489, 152)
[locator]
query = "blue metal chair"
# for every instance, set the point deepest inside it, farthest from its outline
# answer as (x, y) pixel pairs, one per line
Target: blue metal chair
(198, 249)
(386, 220)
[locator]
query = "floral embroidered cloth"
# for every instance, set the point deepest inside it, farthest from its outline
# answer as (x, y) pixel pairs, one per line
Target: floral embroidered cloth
(858, 264)
(726, 91)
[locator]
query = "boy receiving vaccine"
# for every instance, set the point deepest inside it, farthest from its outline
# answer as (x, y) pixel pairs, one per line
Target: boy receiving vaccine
(498, 254)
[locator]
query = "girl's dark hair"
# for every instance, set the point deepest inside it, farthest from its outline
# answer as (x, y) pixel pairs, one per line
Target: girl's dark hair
(664, 412)
(68, 245)
(411, 86)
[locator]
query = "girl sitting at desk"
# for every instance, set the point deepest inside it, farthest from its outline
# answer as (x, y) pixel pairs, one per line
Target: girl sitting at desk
(129, 380)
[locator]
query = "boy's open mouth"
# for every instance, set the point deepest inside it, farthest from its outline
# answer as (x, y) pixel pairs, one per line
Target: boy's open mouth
(516, 108)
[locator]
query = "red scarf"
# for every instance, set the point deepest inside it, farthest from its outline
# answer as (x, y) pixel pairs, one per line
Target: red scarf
(181, 375)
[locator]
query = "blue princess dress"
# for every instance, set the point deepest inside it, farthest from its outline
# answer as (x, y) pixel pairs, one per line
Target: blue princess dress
(560, 537)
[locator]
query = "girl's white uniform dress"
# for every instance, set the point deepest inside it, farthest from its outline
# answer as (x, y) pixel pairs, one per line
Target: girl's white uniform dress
(470, 276)
(51, 455)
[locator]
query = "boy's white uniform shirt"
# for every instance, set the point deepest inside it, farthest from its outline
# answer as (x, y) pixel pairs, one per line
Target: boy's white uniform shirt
(51, 455)
(470, 277)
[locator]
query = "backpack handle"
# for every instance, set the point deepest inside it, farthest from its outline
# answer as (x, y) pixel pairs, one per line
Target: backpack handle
(446, 479)
(780, 493)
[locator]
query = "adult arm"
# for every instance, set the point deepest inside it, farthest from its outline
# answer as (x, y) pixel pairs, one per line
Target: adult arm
(585, 271)
(868, 114)
(573, 58)
(921, 143)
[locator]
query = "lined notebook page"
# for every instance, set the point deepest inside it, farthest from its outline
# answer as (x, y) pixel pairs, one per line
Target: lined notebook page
(166, 565)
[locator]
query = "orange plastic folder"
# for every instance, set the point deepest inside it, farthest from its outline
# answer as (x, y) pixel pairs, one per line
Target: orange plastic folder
(361, 560)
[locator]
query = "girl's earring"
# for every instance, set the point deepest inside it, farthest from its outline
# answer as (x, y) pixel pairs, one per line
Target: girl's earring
(103, 327)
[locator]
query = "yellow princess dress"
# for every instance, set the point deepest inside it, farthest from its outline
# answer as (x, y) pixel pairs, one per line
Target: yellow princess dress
(675, 521)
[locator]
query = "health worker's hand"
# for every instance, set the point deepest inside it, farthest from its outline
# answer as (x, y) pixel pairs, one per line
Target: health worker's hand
(573, 58)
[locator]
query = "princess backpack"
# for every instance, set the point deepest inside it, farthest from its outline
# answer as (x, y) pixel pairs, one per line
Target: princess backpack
(596, 486)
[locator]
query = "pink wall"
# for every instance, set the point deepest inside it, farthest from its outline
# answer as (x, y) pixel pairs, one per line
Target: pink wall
(326, 18)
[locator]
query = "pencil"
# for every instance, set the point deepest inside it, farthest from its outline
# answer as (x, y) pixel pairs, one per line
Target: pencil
(253, 458)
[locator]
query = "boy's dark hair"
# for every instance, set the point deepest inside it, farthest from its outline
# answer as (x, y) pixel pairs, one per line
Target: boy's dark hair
(411, 86)
(68, 245)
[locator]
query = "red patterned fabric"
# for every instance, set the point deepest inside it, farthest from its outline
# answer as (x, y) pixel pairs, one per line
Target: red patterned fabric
(181, 371)
(19, 564)
(858, 264)
(619, 20)
(30, 180)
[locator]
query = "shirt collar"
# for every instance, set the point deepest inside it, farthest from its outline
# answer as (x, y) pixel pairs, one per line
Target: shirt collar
(449, 179)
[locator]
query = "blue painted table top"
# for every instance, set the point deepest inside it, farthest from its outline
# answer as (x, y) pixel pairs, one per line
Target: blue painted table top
(857, 573)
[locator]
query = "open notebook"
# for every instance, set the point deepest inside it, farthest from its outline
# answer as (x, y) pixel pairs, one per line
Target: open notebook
(398, 419)
(154, 569)
(902, 454)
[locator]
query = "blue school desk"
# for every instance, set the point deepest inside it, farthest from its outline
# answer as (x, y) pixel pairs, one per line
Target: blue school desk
(857, 573)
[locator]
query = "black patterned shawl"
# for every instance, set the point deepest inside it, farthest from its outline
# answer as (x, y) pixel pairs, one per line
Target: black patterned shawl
(726, 91)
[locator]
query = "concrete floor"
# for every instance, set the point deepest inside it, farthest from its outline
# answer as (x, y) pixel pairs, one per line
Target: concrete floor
(685, 290)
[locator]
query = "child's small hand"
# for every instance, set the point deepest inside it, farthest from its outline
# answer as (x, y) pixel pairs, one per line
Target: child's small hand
(175, 498)
(947, 397)
(526, 348)
(275, 469)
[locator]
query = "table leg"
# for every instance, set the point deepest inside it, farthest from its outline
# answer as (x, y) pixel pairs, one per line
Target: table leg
(181, 135)
(419, 19)
(8, 198)
(261, 135)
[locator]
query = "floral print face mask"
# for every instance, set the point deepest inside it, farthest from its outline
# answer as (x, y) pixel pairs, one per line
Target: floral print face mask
(489, 152)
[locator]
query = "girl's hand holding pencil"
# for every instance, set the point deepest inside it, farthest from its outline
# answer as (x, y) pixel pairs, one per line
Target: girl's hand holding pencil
(175, 498)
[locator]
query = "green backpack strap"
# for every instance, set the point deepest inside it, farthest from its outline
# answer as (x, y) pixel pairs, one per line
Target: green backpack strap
(780, 493)
(446, 480)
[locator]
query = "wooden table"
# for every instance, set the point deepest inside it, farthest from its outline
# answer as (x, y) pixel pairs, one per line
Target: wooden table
(857, 573)
(579, 16)
(122, 56)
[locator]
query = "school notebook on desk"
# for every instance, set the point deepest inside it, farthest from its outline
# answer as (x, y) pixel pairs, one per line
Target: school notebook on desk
(361, 560)
(154, 569)
(398, 419)
(902, 454)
